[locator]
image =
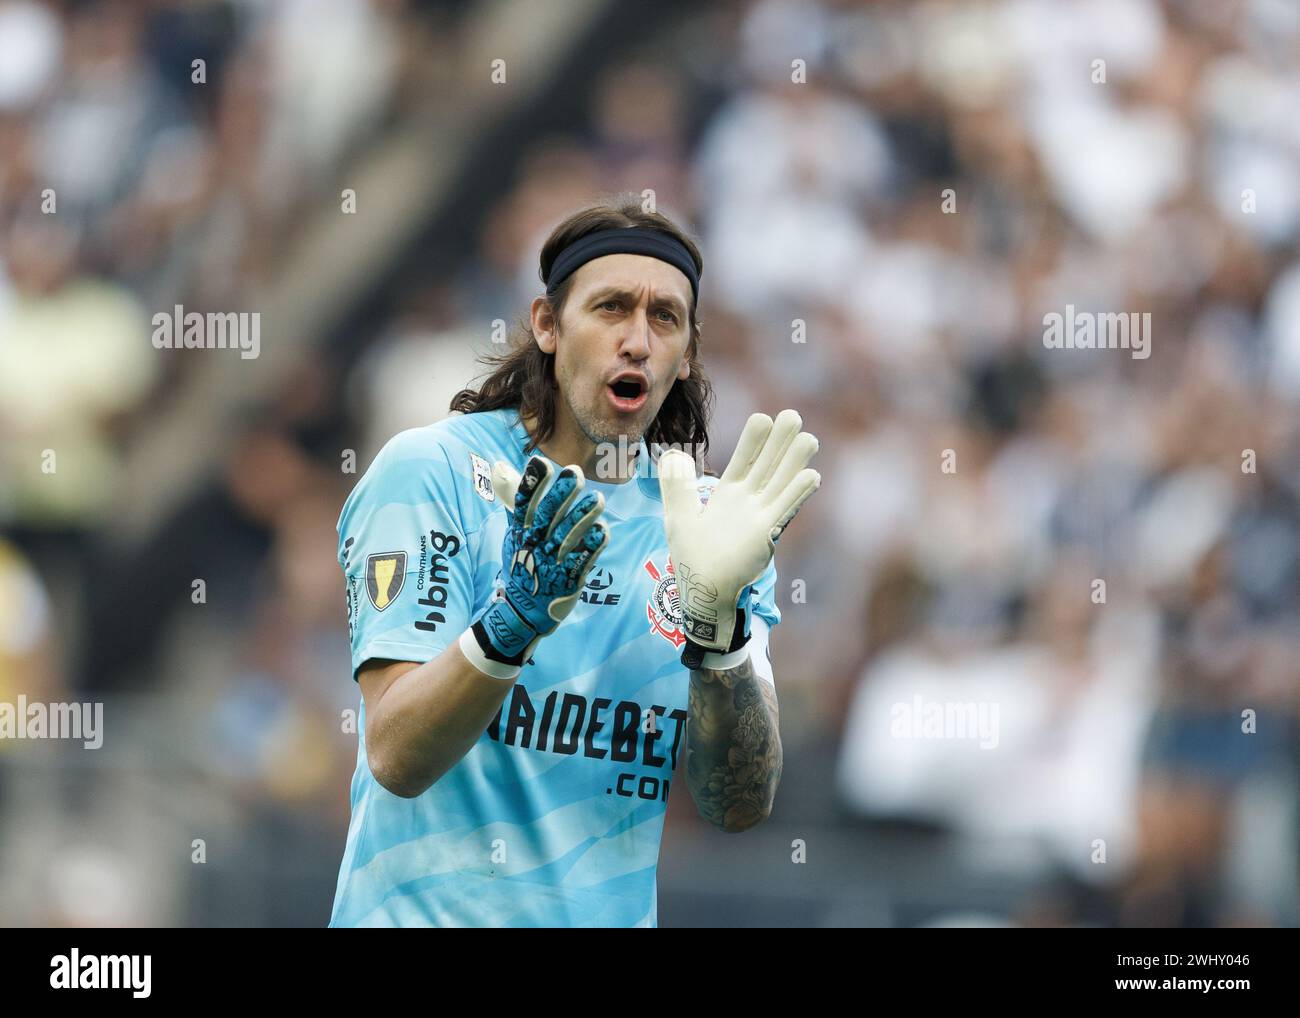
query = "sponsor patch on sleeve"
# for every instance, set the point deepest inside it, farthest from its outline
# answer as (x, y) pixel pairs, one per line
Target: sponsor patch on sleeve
(482, 478)
(385, 577)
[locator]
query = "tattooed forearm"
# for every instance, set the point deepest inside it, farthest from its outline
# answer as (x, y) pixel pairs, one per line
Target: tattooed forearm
(733, 748)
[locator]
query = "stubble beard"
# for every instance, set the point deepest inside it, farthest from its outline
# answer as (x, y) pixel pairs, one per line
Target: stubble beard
(603, 432)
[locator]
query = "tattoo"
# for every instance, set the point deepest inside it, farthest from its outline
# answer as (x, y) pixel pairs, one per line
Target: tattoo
(733, 747)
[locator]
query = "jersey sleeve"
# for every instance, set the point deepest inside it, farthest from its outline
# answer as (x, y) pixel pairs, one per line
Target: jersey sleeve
(763, 595)
(405, 555)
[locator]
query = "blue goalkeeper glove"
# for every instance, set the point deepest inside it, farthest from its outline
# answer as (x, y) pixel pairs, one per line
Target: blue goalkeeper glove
(551, 543)
(721, 547)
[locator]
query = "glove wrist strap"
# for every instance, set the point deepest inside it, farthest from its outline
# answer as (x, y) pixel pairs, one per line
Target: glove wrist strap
(715, 661)
(503, 633)
(480, 653)
(696, 655)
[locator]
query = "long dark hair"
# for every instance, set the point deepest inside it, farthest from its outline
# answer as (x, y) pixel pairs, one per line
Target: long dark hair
(524, 376)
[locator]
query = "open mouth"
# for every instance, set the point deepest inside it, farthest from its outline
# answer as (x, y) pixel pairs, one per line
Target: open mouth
(627, 394)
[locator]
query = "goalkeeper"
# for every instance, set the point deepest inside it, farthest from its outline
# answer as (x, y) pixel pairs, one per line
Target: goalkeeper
(544, 621)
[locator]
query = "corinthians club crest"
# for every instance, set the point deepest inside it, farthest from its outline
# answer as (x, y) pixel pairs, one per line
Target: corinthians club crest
(663, 608)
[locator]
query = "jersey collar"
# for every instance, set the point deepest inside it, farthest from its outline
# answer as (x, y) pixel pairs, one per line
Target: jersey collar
(618, 497)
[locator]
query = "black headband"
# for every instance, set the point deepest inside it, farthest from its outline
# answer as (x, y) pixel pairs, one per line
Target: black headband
(624, 240)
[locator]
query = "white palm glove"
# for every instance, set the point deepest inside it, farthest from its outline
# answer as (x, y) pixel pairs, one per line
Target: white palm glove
(720, 547)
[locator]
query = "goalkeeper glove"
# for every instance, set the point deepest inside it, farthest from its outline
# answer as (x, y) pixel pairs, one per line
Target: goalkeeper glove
(721, 547)
(551, 542)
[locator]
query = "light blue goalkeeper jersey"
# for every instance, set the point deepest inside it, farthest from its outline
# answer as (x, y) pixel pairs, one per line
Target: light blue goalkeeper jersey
(554, 817)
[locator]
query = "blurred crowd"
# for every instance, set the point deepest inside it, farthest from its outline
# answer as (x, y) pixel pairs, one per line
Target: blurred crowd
(154, 154)
(1100, 553)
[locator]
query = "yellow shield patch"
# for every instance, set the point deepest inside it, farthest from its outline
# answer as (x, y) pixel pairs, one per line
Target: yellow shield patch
(385, 577)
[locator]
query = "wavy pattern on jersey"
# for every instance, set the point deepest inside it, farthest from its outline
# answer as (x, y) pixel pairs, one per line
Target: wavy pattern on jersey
(577, 853)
